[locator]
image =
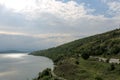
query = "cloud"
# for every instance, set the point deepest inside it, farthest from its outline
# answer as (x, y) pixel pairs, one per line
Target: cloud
(114, 7)
(38, 24)
(18, 41)
(36, 8)
(45, 35)
(27, 43)
(9, 18)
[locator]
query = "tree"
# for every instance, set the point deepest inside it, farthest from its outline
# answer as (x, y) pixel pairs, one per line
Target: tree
(98, 78)
(112, 67)
(85, 56)
(77, 62)
(107, 61)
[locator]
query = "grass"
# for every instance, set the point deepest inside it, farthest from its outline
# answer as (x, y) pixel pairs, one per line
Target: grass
(90, 69)
(87, 70)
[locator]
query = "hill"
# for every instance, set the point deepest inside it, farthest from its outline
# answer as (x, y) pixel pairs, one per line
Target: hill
(71, 66)
(102, 44)
(12, 51)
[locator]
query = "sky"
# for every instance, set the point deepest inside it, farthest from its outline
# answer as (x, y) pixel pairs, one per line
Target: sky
(40, 24)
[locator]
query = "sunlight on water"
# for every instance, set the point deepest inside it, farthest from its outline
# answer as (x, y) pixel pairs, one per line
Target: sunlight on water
(13, 55)
(22, 66)
(3, 74)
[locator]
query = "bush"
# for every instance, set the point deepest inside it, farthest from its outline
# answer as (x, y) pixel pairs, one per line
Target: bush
(112, 67)
(98, 78)
(46, 72)
(107, 61)
(77, 62)
(85, 56)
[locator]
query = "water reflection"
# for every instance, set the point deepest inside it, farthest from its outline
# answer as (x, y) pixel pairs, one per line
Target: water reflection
(12, 55)
(3, 74)
(22, 66)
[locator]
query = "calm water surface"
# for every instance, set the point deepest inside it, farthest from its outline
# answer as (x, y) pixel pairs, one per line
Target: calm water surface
(22, 66)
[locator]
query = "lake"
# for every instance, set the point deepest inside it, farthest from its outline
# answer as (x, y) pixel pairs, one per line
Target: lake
(22, 66)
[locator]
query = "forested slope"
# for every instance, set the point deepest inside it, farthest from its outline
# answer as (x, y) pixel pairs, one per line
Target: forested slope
(101, 44)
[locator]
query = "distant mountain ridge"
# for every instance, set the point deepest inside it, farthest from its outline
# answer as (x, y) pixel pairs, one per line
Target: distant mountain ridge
(12, 51)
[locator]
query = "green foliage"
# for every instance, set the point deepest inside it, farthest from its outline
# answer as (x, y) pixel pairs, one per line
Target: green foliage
(102, 44)
(46, 72)
(77, 62)
(108, 60)
(72, 67)
(67, 69)
(85, 56)
(112, 67)
(98, 78)
(45, 75)
(87, 70)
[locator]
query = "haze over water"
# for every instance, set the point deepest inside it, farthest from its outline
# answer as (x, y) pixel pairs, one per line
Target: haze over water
(22, 66)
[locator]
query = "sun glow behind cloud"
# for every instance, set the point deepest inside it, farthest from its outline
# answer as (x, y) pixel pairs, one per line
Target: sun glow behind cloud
(17, 5)
(33, 8)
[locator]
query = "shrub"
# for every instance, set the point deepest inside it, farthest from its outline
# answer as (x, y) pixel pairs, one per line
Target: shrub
(107, 61)
(112, 67)
(77, 62)
(85, 56)
(98, 78)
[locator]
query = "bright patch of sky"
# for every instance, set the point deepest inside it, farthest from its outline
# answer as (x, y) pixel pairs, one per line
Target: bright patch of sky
(98, 6)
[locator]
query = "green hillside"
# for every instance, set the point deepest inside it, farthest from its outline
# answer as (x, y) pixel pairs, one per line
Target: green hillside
(102, 44)
(71, 66)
